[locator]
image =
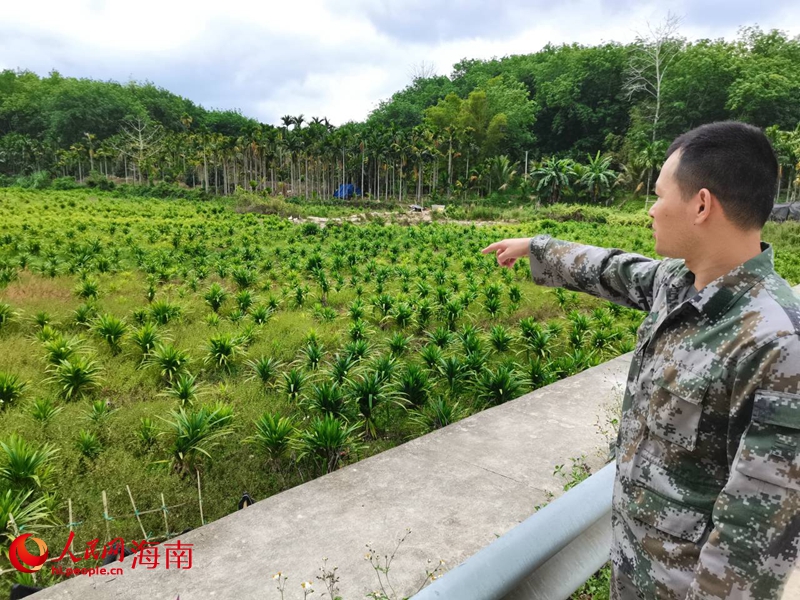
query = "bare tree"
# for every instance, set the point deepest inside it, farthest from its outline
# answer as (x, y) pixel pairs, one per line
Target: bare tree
(650, 60)
(421, 70)
(139, 140)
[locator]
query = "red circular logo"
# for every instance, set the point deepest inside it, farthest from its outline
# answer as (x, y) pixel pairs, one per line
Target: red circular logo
(19, 556)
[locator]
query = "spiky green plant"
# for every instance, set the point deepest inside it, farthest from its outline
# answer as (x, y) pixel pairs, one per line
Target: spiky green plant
(169, 360)
(437, 413)
(403, 314)
(146, 338)
(357, 349)
(88, 288)
(88, 444)
(42, 318)
(265, 369)
(273, 436)
(11, 389)
(454, 372)
(358, 330)
(7, 314)
(261, 314)
(215, 296)
(498, 386)
(356, 309)
(184, 389)
(452, 312)
(244, 300)
(340, 367)
(500, 338)
(111, 329)
(369, 391)
(246, 335)
(471, 342)
(431, 355)
(413, 385)
(24, 465)
(44, 410)
(385, 366)
(424, 313)
(163, 311)
(313, 354)
(537, 340)
(222, 351)
(99, 412)
(573, 362)
(244, 278)
(538, 373)
(147, 432)
(624, 346)
(602, 339)
(327, 442)
(47, 333)
(60, 348)
(399, 343)
(75, 377)
(294, 381)
(327, 397)
(31, 514)
(493, 306)
(441, 336)
(84, 314)
(193, 434)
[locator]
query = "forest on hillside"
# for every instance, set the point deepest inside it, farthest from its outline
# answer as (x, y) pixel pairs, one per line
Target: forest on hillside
(569, 121)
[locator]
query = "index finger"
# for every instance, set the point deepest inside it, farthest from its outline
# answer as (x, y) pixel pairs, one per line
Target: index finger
(492, 247)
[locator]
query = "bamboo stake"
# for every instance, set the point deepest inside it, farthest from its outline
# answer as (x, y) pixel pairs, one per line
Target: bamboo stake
(16, 534)
(166, 525)
(72, 543)
(106, 517)
(136, 512)
(200, 498)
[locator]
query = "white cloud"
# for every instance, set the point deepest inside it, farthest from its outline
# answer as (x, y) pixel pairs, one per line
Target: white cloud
(334, 58)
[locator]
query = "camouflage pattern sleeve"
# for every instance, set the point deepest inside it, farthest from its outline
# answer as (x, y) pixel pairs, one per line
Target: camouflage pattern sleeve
(621, 277)
(752, 546)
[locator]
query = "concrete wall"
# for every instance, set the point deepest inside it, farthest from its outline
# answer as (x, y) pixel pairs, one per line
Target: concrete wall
(457, 489)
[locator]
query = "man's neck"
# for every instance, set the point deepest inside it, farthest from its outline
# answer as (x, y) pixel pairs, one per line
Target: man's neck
(711, 264)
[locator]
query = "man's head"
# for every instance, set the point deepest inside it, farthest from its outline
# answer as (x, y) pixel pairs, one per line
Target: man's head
(717, 184)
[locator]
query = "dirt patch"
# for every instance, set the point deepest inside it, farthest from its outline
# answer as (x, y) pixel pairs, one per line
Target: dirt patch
(31, 288)
(406, 218)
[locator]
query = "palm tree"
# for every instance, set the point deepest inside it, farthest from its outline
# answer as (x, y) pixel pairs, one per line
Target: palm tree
(597, 176)
(651, 157)
(554, 175)
(502, 172)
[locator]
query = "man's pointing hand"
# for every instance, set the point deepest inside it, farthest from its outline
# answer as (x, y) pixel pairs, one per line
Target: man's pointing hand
(508, 251)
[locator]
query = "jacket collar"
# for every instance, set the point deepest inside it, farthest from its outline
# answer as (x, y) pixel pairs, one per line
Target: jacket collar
(719, 295)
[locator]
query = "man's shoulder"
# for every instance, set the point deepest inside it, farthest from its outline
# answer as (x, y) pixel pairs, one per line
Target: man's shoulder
(776, 305)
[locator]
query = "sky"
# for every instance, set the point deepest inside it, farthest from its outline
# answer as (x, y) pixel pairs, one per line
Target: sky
(328, 58)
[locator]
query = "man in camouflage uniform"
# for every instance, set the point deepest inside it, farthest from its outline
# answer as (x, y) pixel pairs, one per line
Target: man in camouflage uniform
(706, 499)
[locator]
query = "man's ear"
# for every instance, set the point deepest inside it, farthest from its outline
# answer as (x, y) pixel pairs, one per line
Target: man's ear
(704, 203)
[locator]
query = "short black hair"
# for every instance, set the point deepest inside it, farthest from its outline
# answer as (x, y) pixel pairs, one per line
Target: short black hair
(735, 162)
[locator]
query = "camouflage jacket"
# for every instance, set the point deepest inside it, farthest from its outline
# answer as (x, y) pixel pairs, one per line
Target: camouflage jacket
(706, 500)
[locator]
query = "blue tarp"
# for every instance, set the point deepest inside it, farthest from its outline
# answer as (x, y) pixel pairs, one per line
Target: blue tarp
(347, 190)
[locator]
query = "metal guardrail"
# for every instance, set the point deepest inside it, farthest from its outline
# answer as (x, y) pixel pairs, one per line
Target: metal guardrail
(546, 557)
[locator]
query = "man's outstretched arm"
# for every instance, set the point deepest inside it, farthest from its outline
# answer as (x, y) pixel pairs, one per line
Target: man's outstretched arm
(622, 277)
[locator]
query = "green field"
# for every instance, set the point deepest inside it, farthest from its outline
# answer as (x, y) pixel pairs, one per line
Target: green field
(117, 314)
